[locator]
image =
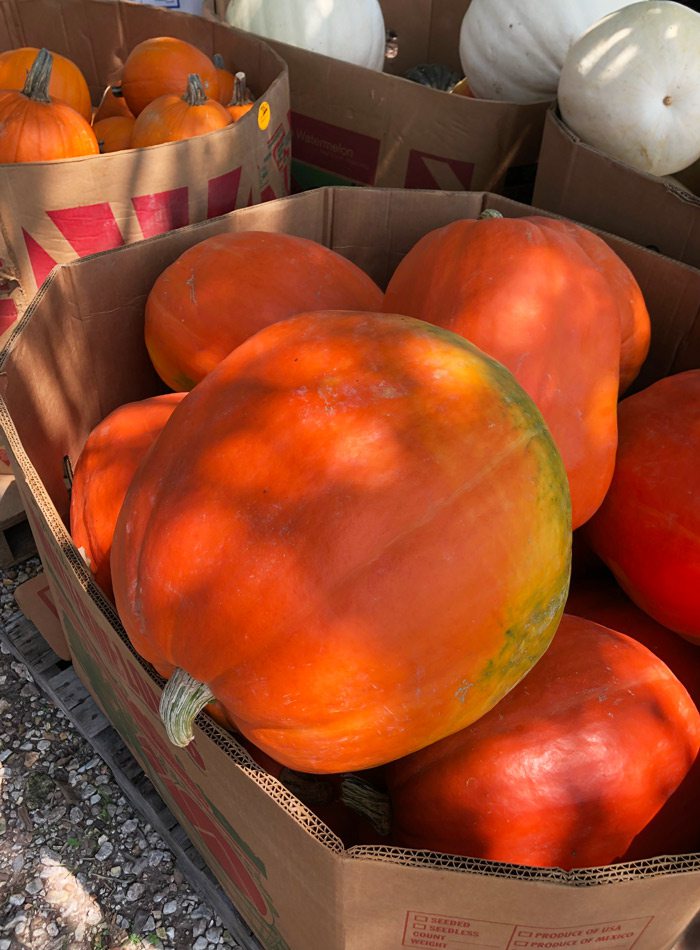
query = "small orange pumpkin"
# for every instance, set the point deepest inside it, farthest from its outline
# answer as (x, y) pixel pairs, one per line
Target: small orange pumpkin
(36, 128)
(114, 133)
(226, 79)
(171, 118)
(240, 100)
(161, 65)
(112, 104)
(67, 81)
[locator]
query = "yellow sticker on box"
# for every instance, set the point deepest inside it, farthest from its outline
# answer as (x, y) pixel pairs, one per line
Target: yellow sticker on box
(264, 115)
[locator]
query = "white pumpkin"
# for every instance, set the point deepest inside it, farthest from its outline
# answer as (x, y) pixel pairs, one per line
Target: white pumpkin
(630, 86)
(513, 50)
(352, 30)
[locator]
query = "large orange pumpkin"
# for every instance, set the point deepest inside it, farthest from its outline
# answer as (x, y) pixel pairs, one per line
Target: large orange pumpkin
(111, 454)
(171, 118)
(67, 82)
(648, 528)
(569, 767)
(533, 294)
(224, 289)
(160, 65)
(365, 546)
(597, 597)
(36, 128)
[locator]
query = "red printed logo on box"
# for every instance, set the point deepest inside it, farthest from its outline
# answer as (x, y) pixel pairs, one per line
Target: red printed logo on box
(349, 154)
(435, 171)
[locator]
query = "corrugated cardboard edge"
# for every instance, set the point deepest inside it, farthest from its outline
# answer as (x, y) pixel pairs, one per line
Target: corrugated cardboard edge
(580, 182)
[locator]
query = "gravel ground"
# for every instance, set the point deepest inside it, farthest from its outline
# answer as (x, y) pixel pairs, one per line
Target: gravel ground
(79, 868)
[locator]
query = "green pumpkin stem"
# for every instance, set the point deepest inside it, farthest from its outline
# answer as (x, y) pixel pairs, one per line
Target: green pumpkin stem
(183, 699)
(195, 94)
(240, 90)
(36, 85)
(368, 801)
(489, 213)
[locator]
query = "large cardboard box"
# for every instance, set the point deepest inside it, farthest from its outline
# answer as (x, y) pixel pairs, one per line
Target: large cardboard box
(286, 872)
(34, 600)
(53, 212)
(580, 182)
(356, 126)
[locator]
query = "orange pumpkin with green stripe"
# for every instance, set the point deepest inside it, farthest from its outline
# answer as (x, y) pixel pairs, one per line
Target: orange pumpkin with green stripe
(365, 546)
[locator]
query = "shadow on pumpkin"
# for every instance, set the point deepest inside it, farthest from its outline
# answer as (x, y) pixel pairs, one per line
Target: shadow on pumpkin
(337, 522)
(579, 756)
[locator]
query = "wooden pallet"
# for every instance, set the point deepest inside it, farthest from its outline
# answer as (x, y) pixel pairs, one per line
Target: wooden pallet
(59, 682)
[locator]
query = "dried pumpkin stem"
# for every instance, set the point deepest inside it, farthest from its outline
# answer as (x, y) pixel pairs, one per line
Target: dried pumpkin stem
(183, 699)
(489, 213)
(240, 96)
(367, 800)
(195, 94)
(36, 85)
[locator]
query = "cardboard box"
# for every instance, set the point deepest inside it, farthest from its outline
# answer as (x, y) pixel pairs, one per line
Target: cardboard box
(580, 182)
(356, 126)
(53, 212)
(286, 872)
(34, 600)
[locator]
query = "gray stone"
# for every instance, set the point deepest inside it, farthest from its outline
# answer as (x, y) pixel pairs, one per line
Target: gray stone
(104, 851)
(170, 907)
(135, 891)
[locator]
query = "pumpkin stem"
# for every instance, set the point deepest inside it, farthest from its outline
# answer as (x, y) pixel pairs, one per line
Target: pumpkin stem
(183, 699)
(240, 90)
(36, 85)
(365, 799)
(195, 94)
(218, 61)
(309, 789)
(489, 213)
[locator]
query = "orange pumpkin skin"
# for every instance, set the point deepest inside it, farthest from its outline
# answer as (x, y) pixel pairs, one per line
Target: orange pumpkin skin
(114, 133)
(221, 291)
(342, 471)
(171, 118)
(35, 128)
(103, 472)
(112, 104)
(648, 528)
(566, 770)
(675, 829)
(635, 324)
(159, 66)
(528, 293)
(67, 82)
(226, 79)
